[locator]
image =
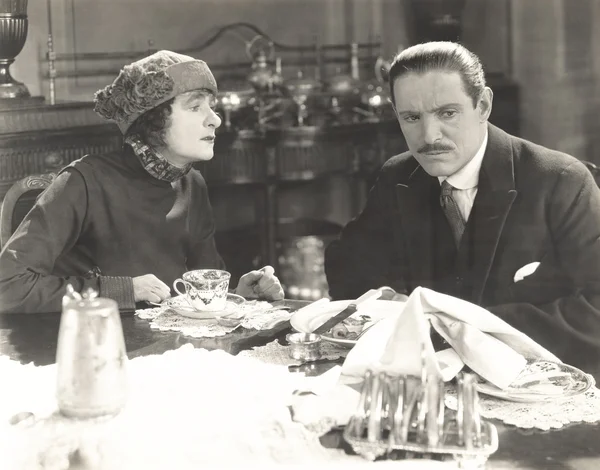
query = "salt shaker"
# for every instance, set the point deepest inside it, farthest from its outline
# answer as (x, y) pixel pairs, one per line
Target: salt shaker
(90, 357)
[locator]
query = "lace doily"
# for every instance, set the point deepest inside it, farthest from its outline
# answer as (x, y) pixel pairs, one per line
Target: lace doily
(259, 315)
(276, 354)
(187, 409)
(541, 415)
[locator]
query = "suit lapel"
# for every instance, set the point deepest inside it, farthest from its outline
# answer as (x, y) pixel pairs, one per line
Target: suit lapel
(495, 196)
(414, 201)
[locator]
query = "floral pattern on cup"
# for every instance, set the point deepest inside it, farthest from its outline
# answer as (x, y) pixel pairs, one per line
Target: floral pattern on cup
(205, 289)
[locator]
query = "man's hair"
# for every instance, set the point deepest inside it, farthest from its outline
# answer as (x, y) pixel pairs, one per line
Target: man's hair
(441, 56)
(151, 126)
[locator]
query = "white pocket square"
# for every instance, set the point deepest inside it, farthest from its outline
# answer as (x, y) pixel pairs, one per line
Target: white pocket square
(526, 270)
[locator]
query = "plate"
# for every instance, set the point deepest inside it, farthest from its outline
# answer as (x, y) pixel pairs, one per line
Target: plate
(181, 306)
(308, 319)
(542, 381)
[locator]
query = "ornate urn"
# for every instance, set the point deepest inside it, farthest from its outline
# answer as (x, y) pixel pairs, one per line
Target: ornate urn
(300, 89)
(262, 76)
(13, 32)
(343, 84)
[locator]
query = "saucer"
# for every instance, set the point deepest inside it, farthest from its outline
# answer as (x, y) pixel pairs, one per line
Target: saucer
(542, 380)
(181, 306)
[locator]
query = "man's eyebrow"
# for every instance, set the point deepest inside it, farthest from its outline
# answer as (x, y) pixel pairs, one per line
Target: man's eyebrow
(435, 110)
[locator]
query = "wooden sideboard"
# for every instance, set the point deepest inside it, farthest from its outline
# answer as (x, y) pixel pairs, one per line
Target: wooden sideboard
(38, 138)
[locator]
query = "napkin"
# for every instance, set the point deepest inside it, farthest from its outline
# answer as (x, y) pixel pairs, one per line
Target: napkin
(400, 344)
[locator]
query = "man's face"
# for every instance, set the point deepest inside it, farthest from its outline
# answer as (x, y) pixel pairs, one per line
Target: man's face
(441, 126)
(190, 135)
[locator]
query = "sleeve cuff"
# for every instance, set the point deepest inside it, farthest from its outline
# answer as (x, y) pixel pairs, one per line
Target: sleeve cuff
(119, 289)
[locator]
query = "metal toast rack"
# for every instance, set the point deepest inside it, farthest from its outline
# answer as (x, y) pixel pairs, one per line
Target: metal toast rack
(408, 413)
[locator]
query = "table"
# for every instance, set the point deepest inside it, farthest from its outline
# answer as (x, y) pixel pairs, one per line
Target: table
(32, 338)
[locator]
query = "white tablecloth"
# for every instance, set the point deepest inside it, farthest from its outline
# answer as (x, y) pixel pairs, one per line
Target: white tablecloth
(188, 408)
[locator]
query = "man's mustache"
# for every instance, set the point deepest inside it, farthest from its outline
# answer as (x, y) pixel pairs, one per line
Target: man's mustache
(427, 148)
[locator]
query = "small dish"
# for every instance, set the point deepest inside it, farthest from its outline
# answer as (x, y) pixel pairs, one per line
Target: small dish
(304, 346)
(542, 381)
(180, 305)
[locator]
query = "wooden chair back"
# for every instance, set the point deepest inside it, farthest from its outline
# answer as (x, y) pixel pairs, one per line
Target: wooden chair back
(12, 210)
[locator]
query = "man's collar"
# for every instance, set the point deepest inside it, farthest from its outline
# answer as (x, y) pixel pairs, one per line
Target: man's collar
(468, 176)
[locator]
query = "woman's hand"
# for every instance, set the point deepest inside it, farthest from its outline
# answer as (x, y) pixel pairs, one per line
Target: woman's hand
(260, 284)
(150, 288)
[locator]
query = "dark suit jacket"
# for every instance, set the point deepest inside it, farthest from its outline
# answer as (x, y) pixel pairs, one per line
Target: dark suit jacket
(533, 204)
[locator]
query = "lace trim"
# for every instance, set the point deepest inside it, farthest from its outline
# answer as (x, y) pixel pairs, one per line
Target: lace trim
(542, 415)
(259, 315)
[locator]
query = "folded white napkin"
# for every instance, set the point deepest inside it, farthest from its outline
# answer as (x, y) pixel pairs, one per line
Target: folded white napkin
(488, 345)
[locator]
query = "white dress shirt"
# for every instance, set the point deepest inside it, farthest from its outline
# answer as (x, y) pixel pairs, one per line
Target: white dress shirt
(466, 180)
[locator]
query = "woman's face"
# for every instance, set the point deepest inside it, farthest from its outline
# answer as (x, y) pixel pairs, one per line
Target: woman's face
(190, 133)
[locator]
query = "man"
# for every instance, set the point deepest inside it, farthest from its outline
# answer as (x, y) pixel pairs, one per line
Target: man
(469, 205)
(129, 223)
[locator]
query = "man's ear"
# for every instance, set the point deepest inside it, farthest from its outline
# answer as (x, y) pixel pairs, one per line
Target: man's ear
(485, 104)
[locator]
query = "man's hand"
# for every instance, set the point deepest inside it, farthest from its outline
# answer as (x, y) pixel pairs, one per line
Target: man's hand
(150, 288)
(387, 293)
(261, 284)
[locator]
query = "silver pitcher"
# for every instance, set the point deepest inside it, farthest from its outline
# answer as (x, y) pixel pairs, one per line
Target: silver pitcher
(90, 357)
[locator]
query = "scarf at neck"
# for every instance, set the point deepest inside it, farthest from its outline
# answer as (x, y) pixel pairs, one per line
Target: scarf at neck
(154, 163)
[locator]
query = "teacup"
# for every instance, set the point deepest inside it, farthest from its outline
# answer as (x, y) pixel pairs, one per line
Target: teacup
(205, 289)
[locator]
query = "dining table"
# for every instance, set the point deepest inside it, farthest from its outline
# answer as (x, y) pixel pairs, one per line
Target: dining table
(32, 338)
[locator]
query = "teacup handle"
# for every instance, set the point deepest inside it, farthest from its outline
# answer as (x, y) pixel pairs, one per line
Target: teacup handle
(185, 283)
(183, 294)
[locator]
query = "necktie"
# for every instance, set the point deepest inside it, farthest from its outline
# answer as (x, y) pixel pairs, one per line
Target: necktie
(452, 212)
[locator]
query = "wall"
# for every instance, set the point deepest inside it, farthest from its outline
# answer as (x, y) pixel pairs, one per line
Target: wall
(557, 64)
(83, 26)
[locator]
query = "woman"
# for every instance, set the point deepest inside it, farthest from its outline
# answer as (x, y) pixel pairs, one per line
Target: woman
(129, 223)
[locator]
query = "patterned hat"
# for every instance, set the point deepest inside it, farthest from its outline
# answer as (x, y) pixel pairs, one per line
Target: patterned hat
(150, 81)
